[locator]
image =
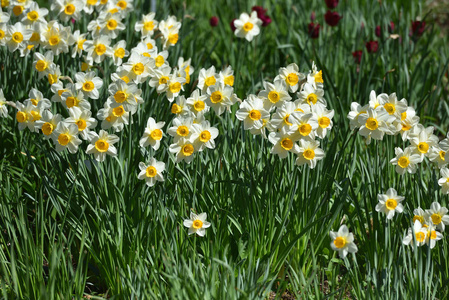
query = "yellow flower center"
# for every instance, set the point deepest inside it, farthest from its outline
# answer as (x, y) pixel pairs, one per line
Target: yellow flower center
(292, 79)
(216, 97)
(210, 81)
(120, 97)
(205, 136)
(2, 34)
(47, 128)
(420, 237)
(433, 234)
(32, 16)
(436, 218)
(248, 26)
(442, 154)
(319, 77)
(305, 129)
(88, 86)
(254, 115)
(36, 115)
(118, 111)
(35, 37)
(69, 9)
(156, 134)
(390, 108)
(372, 124)
(52, 78)
(138, 68)
(273, 96)
(64, 139)
(100, 49)
(403, 116)
(174, 87)
(81, 124)
(199, 105)
(391, 204)
(309, 154)
(122, 4)
(339, 242)
(312, 99)
(324, 122)
(125, 79)
(18, 10)
(229, 80)
(21, 117)
(287, 143)
(182, 130)
(148, 26)
(423, 147)
(173, 38)
(120, 53)
(406, 127)
(419, 218)
(176, 109)
(159, 61)
(187, 149)
(150, 46)
(197, 224)
(403, 162)
(102, 145)
(17, 37)
(286, 120)
(163, 79)
(111, 24)
(54, 40)
(151, 171)
(71, 101)
(80, 44)
(34, 101)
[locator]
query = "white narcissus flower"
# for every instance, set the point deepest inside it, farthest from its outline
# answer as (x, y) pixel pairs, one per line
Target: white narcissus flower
(81, 118)
(120, 52)
(16, 36)
(123, 94)
(98, 49)
(283, 141)
(151, 172)
(311, 95)
(252, 112)
(206, 79)
(406, 160)
(324, 118)
(175, 85)
(147, 25)
(390, 203)
(374, 124)
(343, 241)
(183, 149)
(197, 103)
(437, 154)
(393, 106)
(247, 26)
(102, 144)
(153, 134)
(309, 153)
(423, 139)
(138, 67)
(432, 236)
(219, 97)
(77, 39)
(3, 108)
(420, 233)
(111, 24)
(281, 117)
(203, 135)
(408, 122)
(197, 223)
(67, 9)
(49, 123)
(227, 76)
(160, 78)
(444, 181)
(89, 84)
(274, 95)
(66, 137)
(353, 115)
(291, 76)
(34, 15)
(438, 215)
(306, 124)
(113, 117)
(181, 128)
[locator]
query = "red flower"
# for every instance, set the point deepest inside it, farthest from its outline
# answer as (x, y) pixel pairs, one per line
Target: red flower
(378, 31)
(312, 16)
(232, 25)
(331, 3)
(314, 30)
(357, 55)
(418, 28)
(261, 14)
(266, 20)
(372, 46)
(391, 27)
(213, 21)
(332, 18)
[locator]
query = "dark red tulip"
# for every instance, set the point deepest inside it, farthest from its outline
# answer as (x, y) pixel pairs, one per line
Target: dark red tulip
(314, 30)
(232, 25)
(378, 31)
(391, 27)
(357, 55)
(331, 3)
(418, 28)
(266, 20)
(260, 11)
(332, 18)
(372, 46)
(213, 21)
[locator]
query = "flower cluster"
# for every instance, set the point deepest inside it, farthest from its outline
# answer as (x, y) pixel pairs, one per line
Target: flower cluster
(385, 114)
(294, 124)
(428, 226)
